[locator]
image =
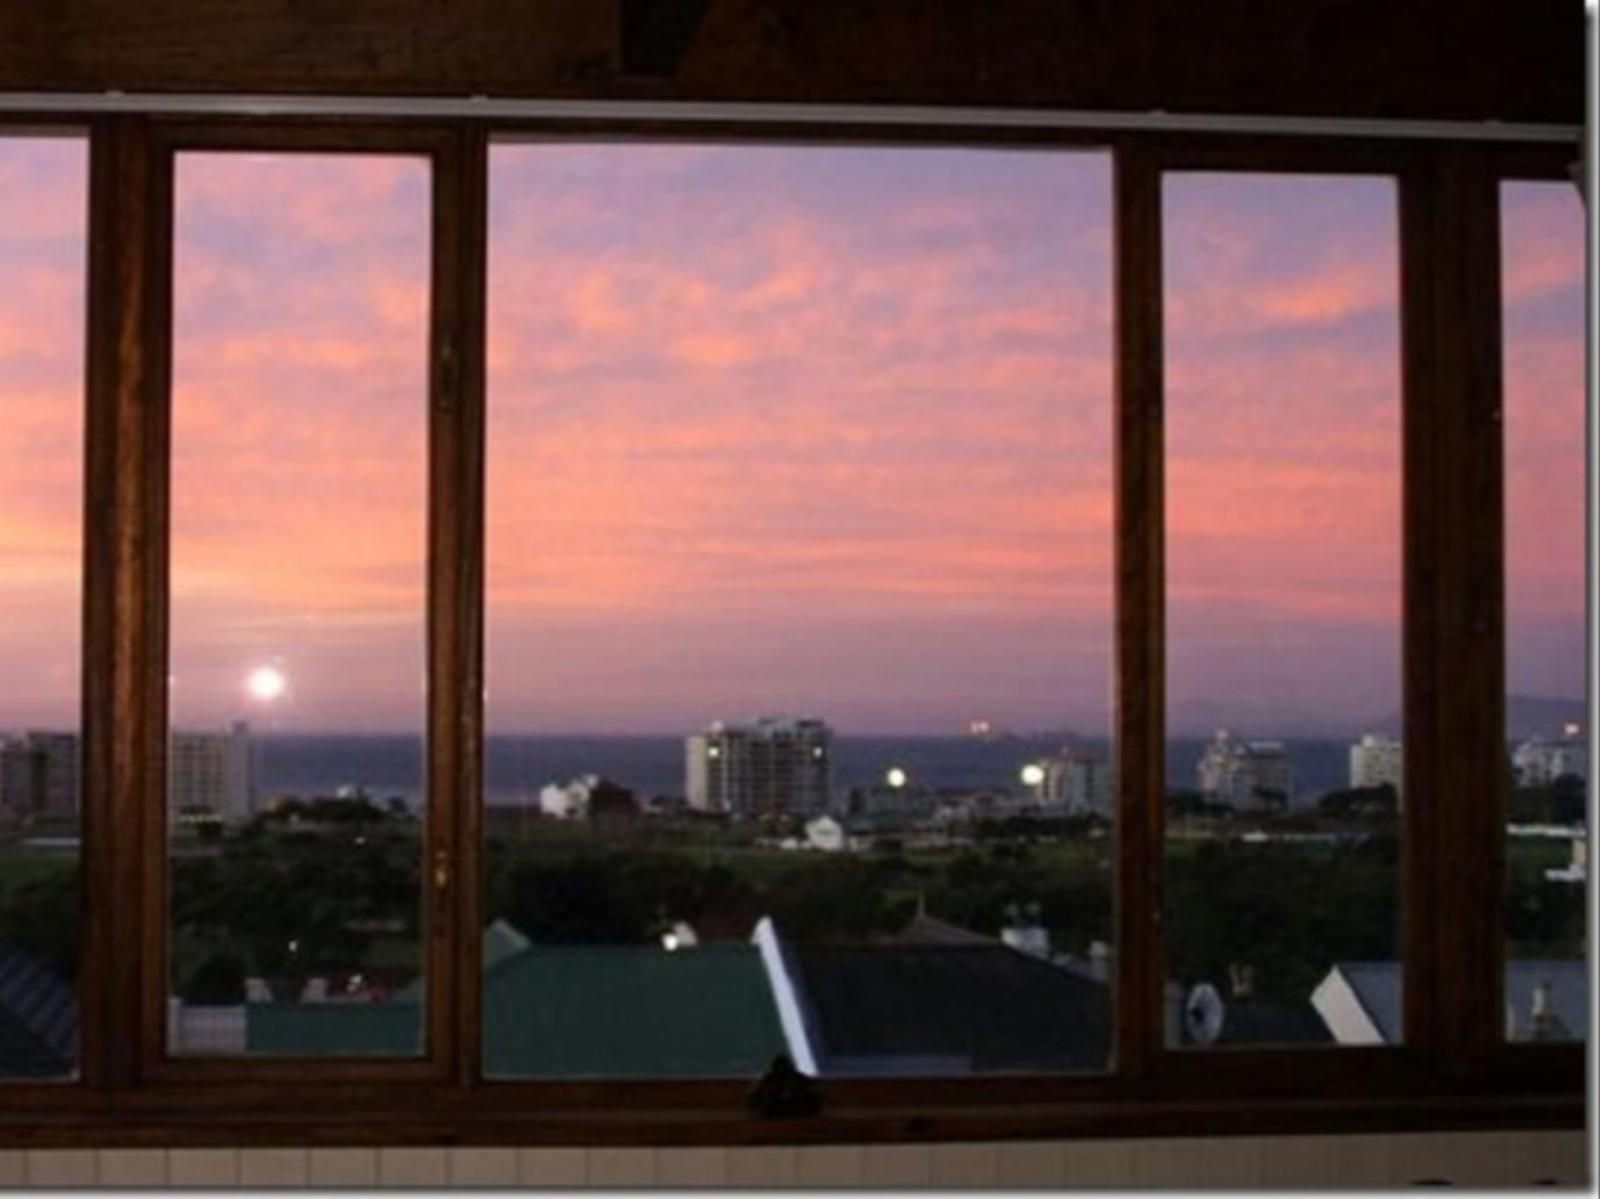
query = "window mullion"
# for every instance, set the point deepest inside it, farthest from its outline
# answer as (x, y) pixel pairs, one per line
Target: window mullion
(461, 206)
(1454, 608)
(1140, 619)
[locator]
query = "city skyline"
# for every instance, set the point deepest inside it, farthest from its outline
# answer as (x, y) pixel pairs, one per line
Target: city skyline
(680, 490)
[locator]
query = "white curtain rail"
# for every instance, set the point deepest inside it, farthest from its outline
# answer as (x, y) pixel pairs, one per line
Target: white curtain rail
(711, 113)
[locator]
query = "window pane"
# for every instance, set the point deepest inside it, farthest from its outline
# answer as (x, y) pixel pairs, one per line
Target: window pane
(1547, 716)
(799, 611)
(1283, 610)
(297, 632)
(43, 208)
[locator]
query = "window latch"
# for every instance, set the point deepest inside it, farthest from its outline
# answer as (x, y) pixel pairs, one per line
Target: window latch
(441, 870)
(446, 384)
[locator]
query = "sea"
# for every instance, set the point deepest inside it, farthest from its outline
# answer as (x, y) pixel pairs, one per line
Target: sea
(517, 767)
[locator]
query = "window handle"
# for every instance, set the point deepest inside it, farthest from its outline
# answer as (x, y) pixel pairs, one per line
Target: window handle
(441, 892)
(441, 870)
(448, 377)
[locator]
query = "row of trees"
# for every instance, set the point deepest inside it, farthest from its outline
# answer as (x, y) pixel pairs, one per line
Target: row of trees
(334, 887)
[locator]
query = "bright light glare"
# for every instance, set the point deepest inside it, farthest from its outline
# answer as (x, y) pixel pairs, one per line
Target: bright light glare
(1032, 774)
(266, 683)
(896, 777)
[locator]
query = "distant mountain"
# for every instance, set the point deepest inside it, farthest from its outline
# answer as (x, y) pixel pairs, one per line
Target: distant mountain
(1526, 716)
(1201, 716)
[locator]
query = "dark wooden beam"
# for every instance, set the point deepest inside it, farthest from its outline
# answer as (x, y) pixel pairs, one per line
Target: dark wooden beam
(1455, 683)
(1513, 60)
(1141, 612)
(377, 47)
(1366, 58)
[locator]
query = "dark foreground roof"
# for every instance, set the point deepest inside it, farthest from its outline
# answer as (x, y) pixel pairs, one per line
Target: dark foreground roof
(1568, 983)
(331, 1029)
(1377, 988)
(38, 1020)
(949, 1008)
(630, 1011)
(622, 1011)
(1271, 1020)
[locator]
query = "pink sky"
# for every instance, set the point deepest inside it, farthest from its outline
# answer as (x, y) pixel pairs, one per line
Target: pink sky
(1542, 252)
(773, 429)
(1283, 451)
(43, 217)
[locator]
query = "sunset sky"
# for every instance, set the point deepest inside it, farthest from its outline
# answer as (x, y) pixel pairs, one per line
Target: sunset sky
(776, 429)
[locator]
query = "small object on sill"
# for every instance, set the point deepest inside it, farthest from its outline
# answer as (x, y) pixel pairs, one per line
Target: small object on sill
(784, 1093)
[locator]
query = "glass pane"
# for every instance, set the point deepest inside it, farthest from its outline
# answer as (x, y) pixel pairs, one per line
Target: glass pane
(43, 235)
(1283, 611)
(299, 481)
(799, 611)
(1547, 714)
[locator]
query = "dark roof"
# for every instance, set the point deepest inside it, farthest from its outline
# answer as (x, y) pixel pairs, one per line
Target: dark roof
(1568, 983)
(947, 1008)
(1272, 1020)
(623, 1011)
(1377, 988)
(630, 1011)
(38, 1020)
(923, 929)
(391, 1029)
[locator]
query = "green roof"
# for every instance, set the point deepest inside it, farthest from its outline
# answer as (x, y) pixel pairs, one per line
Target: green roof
(629, 1011)
(555, 1011)
(325, 1029)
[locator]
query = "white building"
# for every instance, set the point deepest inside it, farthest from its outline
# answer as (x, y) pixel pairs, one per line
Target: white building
(39, 774)
(212, 772)
(774, 765)
(827, 834)
(1078, 781)
(569, 801)
(1245, 774)
(1540, 761)
(1376, 761)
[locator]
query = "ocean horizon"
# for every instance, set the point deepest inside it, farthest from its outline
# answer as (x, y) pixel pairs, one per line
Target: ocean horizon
(517, 766)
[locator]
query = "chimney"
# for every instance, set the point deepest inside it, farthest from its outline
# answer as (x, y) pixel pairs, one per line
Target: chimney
(1241, 980)
(1542, 1024)
(1024, 932)
(1099, 960)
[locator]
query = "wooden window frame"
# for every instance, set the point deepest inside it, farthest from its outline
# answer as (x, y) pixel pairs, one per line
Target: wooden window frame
(1452, 1071)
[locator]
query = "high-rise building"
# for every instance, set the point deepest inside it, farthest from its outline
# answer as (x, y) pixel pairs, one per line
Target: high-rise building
(212, 772)
(774, 765)
(1079, 781)
(1245, 774)
(1376, 761)
(39, 774)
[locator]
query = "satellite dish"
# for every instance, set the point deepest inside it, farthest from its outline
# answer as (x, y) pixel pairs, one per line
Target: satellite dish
(1203, 1015)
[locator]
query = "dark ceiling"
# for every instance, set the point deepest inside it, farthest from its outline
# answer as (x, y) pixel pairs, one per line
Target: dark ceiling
(1514, 60)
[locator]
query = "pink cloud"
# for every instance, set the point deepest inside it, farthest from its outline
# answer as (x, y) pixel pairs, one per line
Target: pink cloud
(43, 202)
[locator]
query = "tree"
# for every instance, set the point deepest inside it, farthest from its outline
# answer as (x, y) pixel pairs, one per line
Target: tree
(40, 919)
(611, 803)
(218, 981)
(1560, 802)
(1360, 802)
